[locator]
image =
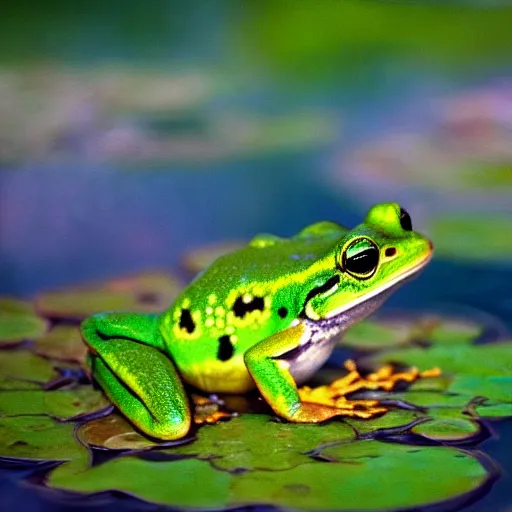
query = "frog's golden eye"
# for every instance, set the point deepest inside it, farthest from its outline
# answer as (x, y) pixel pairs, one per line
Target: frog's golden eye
(405, 220)
(361, 258)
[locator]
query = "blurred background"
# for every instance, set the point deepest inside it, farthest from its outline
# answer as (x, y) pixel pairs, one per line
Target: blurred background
(131, 133)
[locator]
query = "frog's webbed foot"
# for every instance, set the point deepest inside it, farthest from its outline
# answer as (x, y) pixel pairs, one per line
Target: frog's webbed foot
(208, 410)
(385, 378)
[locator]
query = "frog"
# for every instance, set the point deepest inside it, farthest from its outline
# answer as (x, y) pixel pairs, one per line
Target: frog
(265, 317)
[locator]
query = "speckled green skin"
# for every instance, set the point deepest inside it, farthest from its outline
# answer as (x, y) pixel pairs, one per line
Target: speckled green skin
(236, 323)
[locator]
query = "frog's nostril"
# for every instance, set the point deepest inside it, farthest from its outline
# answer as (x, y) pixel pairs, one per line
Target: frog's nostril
(390, 252)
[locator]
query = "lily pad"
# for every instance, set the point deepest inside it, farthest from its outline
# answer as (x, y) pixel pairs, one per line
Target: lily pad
(447, 425)
(59, 404)
(440, 473)
(492, 359)
(398, 330)
(63, 343)
(473, 237)
(494, 410)
(201, 258)
(497, 389)
(17, 326)
(370, 475)
(113, 432)
(38, 438)
(188, 483)
(375, 335)
(20, 369)
(393, 422)
(237, 444)
(148, 292)
(12, 305)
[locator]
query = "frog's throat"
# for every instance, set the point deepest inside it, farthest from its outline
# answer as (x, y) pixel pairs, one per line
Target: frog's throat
(384, 290)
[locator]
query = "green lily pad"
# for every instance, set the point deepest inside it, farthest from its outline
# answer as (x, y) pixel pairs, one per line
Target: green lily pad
(38, 438)
(440, 473)
(63, 343)
(188, 483)
(492, 359)
(202, 257)
(16, 327)
(398, 330)
(237, 444)
(375, 335)
(59, 404)
(447, 425)
(473, 237)
(493, 410)
(454, 331)
(394, 420)
(429, 399)
(113, 432)
(149, 292)
(21, 369)
(12, 305)
(497, 389)
(370, 475)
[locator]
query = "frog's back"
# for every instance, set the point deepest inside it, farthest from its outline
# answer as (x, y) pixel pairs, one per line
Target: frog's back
(241, 299)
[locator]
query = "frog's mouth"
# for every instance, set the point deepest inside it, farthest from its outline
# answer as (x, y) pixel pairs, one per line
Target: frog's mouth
(375, 298)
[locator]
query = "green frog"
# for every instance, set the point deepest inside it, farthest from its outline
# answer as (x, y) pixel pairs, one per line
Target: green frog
(268, 316)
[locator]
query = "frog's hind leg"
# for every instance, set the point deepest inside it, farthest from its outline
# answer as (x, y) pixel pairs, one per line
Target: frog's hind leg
(126, 360)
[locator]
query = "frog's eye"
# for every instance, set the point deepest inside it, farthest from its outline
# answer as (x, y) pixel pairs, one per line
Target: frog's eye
(361, 258)
(405, 220)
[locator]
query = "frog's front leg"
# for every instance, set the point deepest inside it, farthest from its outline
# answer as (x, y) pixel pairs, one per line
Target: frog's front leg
(272, 376)
(126, 359)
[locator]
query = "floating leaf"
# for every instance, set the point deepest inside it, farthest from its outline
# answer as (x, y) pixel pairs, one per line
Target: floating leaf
(472, 237)
(237, 444)
(370, 475)
(63, 343)
(148, 292)
(448, 425)
(189, 483)
(16, 327)
(376, 335)
(497, 389)
(201, 258)
(59, 404)
(23, 369)
(12, 305)
(113, 432)
(394, 421)
(454, 331)
(492, 359)
(38, 438)
(494, 410)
